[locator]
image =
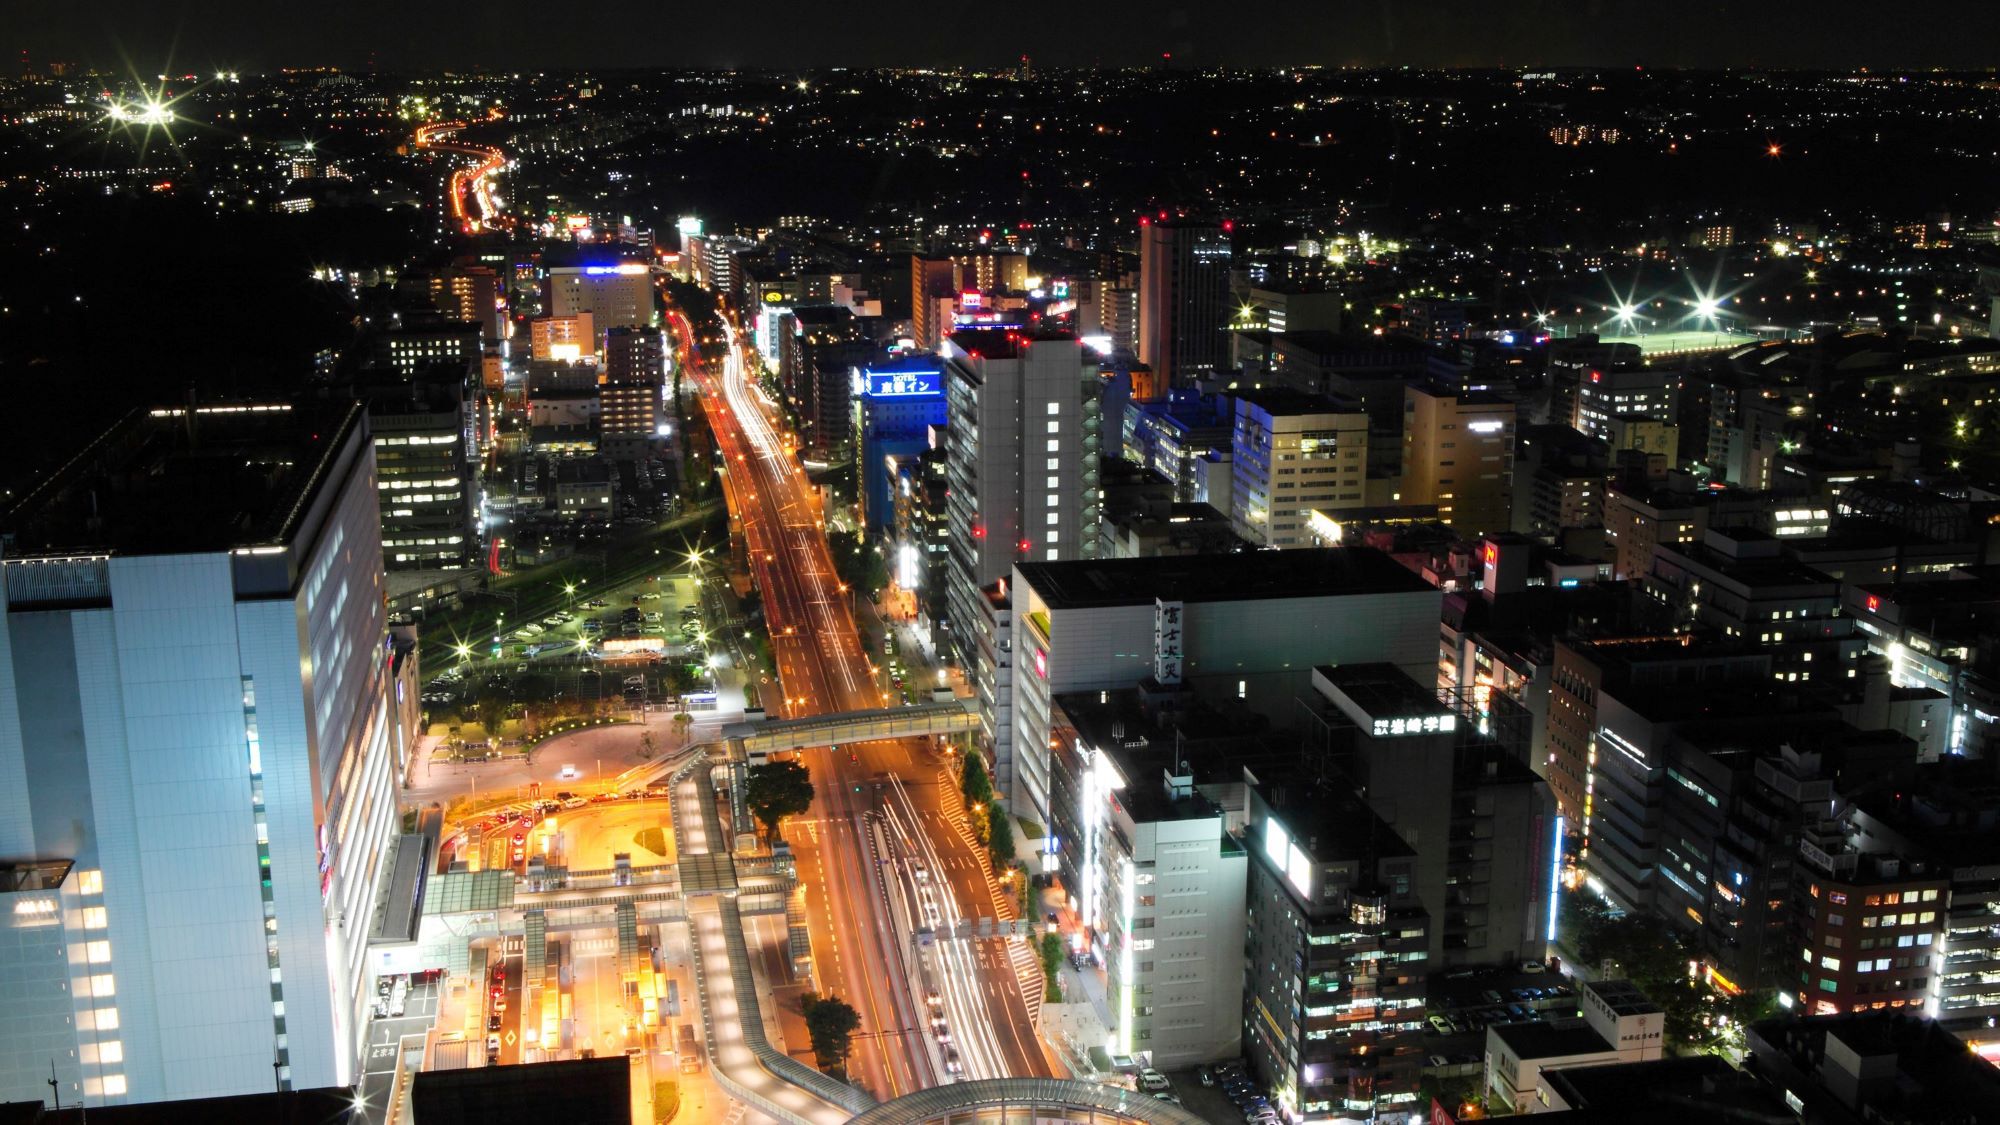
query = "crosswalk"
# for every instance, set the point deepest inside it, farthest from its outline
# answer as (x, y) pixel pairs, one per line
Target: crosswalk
(1027, 970)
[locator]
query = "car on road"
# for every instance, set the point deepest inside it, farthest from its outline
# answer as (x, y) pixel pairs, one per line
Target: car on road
(493, 1022)
(1153, 1080)
(492, 1048)
(568, 773)
(596, 603)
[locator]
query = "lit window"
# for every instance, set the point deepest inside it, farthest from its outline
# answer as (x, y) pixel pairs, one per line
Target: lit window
(93, 918)
(1055, 408)
(114, 1085)
(112, 1052)
(90, 882)
(97, 952)
(102, 985)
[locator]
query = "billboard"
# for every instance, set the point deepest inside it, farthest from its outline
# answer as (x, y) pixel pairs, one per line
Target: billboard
(905, 384)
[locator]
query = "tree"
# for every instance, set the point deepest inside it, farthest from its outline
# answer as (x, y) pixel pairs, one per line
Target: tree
(682, 721)
(776, 790)
(645, 745)
(973, 782)
(1052, 952)
(999, 835)
(831, 1022)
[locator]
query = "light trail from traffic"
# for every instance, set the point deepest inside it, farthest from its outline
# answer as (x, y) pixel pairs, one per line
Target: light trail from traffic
(822, 669)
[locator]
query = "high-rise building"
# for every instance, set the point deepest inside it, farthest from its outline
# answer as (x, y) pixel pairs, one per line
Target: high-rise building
(197, 779)
(468, 293)
(634, 356)
(922, 561)
(899, 404)
(1452, 781)
(616, 295)
(425, 474)
(1607, 393)
(1292, 454)
(1246, 627)
(1183, 298)
(1021, 453)
(563, 339)
(1333, 1013)
(932, 280)
(446, 346)
(1459, 455)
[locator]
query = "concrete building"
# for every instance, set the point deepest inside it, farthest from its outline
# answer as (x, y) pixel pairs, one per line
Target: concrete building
(1604, 394)
(1158, 879)
(1291, 454)
(897, 404)
(197, 787)
(921, 564)
(1021, 457)
(1454, 785)
(932, 280)
(426, 474)
(1458, 454)
(1246, 627)
(1333, 1008)
(1871, 930)
(1183, 294)
(468, 293)
(563, 339)
(452, 347)
(619, 295)
(1618, 1025)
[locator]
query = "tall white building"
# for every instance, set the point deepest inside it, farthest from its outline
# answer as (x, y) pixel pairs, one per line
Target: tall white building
(616, 296)
(1021, 462)
(196, 775)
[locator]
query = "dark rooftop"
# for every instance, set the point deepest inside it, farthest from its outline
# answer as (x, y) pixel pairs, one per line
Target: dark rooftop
(1320, 572)
(165, 482)
(1283, 401)
(1329, 820)
(1536, 1039)
(1666, 1092)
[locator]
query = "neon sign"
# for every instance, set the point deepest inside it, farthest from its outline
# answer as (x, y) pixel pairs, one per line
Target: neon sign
(905, 384)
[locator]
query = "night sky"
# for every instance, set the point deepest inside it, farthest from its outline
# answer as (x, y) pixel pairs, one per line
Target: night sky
(151, 36)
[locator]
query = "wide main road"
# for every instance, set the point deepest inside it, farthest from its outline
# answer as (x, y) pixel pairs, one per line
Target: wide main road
(861, 953)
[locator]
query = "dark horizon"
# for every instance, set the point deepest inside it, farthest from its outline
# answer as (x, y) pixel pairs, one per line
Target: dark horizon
(147, 39)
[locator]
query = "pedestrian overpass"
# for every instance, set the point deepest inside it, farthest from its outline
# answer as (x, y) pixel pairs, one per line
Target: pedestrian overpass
(760, 738)
(754, 740)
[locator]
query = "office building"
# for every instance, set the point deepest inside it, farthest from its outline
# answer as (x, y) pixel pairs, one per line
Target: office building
(818, 348)
(1606, 394)
(1246, 627)
(921, 565)
(1881, 1066)
(1183, 298)
(897, 404)
(197, 791)
(1175, 435)
(1333, 1015)
(1619, 1025)
(1452, 782)
(468, 293)
(452, 349)
(634, 357)
(563, 339)
(1291, 454)
(1152, 869)
(933, 286)
(1021, 456)
(1459, 455)
(616, 296)
(425, 474)
(1871, 931)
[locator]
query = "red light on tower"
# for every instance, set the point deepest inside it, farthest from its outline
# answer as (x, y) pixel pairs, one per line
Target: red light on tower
(1228, 225)
(1027, 544)
(1144, 221)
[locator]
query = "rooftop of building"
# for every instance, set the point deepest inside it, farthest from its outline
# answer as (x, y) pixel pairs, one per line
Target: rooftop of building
(1281, 402)
(1382, 690)
(1002, 343)
(1669, 1091)
(1622, 997)
(1935, 1077)
(171, 481)
(1554, 1039)
(1327, 819)
(1149, 732)
(1320, 341)
(1319, 572)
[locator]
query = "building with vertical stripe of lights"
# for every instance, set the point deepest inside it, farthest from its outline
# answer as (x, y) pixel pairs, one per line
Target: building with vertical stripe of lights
(197, 758)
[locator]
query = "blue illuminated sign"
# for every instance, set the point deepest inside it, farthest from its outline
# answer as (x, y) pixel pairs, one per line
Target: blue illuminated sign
(905, 384)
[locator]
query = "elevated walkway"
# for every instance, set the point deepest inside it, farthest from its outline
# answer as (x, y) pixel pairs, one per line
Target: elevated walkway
(745, 1064)
(770, 736)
